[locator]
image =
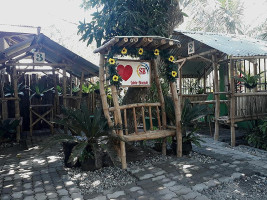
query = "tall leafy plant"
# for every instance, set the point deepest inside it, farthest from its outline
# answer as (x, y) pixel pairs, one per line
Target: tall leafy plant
(248, 80)
(39, 91)
(9, 90)
(8, 129)
(87, 131)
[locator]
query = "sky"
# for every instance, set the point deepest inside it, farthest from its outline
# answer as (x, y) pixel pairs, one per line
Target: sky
(58, 20)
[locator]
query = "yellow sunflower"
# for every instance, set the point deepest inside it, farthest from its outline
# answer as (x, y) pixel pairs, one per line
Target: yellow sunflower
(174, 73)
(124, 51)
(171, 58)
(141, 51)
(115, 78)
(111, 61)
(156, 52)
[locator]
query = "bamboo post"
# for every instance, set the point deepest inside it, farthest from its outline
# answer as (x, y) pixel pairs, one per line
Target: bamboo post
(135, 122)
(71, 77)
(177, 109)
(162, 102)
(80, 92)
(255, 64)
(31, 128)
(64, 88)
(217, 97)
(3, 101)
(125, 121)
(232, 102)
(143, 117)
(204, 84)
(56, 99)
(158, 117)
(117, 113)
(17, 109)
(150, 118)
(102, 90)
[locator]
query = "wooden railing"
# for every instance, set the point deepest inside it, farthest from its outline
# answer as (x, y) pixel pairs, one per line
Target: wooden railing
(138, 112)
(250, 105)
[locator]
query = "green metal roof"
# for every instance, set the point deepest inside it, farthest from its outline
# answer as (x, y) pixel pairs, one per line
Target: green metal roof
(232, 45)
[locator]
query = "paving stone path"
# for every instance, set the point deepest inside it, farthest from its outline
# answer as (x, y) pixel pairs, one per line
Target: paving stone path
(29, 175)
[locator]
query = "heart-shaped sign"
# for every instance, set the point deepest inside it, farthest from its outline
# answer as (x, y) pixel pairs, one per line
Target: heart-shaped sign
(125, 72)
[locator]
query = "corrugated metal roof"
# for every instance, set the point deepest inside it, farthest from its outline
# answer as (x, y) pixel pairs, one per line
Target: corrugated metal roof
(55, 53)
(232, 45)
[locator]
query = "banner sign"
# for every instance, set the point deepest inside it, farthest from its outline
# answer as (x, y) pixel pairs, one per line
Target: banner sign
(39, 57)
(134, 73)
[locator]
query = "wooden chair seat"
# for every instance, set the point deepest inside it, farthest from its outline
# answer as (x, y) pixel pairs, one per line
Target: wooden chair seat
(149, 135)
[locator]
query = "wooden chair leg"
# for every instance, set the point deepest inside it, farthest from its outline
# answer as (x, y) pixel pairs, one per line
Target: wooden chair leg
(164, 146)
(123, 155)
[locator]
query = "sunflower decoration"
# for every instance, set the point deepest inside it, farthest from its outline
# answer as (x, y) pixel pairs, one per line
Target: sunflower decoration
(115, 78)
(171, 58)
(111, 61)
(174, 74)
(156, 52)
(124, 51)
(140, 51)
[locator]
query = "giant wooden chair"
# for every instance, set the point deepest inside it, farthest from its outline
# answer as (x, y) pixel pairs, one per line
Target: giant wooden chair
(114, 114)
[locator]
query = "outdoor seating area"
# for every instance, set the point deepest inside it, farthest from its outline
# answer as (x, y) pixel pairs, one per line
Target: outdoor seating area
(154, 100)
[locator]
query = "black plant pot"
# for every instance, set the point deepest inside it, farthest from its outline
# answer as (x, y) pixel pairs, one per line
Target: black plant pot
(186, 148)
(67, 148)
(88, 164)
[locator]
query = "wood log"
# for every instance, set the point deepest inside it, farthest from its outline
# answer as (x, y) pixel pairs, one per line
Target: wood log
(102, 91)
(217, 97)
(117, 113)
(232, 102)
(137, 105)
(125, 122)
(135, 121)
(141, 42)
(177, 109)
(17, 108)
(160, 94)
(149, 135)
(150, 118)
(104, 47)
(122, 42)
(143, 118)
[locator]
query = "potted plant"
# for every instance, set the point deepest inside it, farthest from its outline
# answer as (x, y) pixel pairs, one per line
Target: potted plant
(249, 81)
(190, 115)
(38, 91)
(87, 139)
(8, 129)
(9, 90)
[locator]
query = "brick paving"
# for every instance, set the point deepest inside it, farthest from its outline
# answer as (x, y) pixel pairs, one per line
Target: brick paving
(29, 175)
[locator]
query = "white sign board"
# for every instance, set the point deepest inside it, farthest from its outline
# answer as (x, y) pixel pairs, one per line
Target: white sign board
(191, 47)
(39, 57)
(134, 73)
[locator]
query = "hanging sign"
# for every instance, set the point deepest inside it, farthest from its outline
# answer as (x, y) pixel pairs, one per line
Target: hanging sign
(134, 73)
(191, 47)
(39, 57)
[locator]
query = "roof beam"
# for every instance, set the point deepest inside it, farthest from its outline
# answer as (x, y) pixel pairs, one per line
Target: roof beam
(197, 55)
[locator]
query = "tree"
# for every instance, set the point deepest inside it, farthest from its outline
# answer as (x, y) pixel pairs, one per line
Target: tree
(214, 16)
(129, 17)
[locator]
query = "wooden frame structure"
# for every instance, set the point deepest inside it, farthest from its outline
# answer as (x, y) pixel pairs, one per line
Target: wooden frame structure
(58, 60)
(148, 43)
(216, 50)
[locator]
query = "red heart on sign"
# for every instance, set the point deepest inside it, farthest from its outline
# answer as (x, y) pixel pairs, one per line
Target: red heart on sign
(125, 72)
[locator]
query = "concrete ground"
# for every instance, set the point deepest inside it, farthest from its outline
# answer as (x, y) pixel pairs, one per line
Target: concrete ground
(28, 175)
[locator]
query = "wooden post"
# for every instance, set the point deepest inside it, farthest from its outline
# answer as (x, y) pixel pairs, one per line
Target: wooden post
(3, 101)
(217, 97)
(56, 99)
(71, 76)
(232, 102)
(81, 91)
(255, 64)
(102, 91)
(204, 84)
(117, 113)
(162, 102)
(64, 88)
(177, 109)
(17, 109)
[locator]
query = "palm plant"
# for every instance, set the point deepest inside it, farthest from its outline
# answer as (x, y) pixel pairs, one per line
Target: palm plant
(9, 90)
(87, 132)
(190, 114)
(8, 129)
(39, 91)
(248, 80)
